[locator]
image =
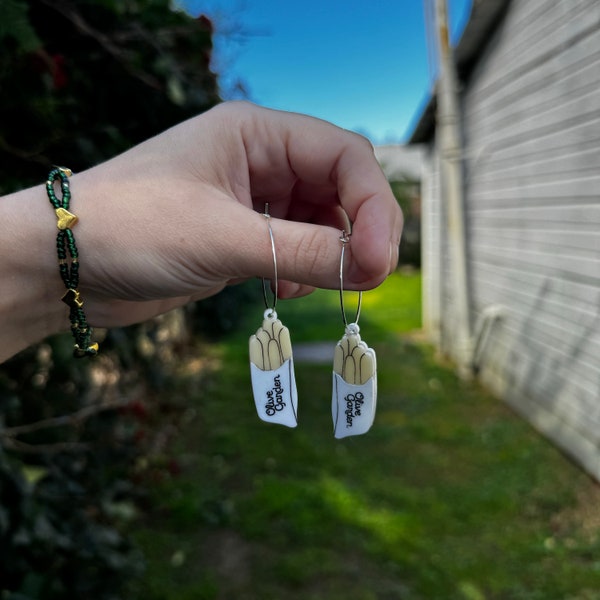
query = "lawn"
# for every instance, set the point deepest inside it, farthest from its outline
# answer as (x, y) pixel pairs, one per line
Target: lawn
(450, 495)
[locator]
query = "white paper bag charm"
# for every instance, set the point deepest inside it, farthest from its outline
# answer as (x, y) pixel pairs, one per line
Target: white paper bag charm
(272, 372)
(271, 362)
(354, 397)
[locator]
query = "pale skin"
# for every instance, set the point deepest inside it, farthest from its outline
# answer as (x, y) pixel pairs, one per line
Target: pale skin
(178, 217)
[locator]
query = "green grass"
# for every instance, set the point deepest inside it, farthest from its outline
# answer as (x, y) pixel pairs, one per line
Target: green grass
(450, 495)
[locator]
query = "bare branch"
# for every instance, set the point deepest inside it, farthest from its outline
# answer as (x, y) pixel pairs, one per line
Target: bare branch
(104, 40)
(24, 448)
(75, 419)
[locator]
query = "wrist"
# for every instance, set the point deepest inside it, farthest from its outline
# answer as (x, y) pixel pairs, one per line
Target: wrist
(30, 306)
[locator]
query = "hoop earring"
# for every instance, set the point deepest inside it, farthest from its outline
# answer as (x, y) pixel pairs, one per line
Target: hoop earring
(271, 361)
(354, 397)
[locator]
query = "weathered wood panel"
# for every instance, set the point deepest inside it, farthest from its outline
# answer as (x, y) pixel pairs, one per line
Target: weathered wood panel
(531, 120)
(532, 129)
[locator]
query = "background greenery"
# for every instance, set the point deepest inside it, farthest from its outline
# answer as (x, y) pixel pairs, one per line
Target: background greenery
(83, 80)
(449, 496)
(80, 81)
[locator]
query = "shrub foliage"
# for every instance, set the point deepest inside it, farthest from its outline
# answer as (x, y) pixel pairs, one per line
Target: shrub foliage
(82, 80)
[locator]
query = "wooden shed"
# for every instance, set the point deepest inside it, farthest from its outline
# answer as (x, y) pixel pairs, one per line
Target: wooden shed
(529, 73)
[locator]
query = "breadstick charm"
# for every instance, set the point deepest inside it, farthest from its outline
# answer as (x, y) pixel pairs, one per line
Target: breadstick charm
(271, 361)
(354, 397)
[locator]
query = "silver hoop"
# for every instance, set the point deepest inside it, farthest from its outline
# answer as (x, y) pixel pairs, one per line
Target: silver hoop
(268, 308)
(345, 239)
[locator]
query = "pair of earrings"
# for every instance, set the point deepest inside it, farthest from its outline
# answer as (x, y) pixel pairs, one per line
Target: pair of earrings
(354, 395)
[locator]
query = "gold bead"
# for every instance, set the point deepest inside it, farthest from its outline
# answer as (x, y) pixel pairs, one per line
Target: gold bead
(72, 298)
(91, 350)
(66, 220)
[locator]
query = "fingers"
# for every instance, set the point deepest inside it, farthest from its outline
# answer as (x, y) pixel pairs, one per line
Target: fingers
(340, 170)
(370, 204)
(290, 289)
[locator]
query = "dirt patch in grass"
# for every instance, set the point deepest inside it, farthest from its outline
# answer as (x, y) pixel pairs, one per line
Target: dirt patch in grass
(581, 519)
(228, 554)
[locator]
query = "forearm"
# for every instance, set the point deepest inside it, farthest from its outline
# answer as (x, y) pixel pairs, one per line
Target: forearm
(30, 306)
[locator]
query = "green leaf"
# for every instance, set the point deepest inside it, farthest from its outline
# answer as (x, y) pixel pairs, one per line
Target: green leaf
(15, 24)
(33, 473)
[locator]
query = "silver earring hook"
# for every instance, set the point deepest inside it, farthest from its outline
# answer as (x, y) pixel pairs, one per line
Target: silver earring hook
(345, 239)
(271, 309)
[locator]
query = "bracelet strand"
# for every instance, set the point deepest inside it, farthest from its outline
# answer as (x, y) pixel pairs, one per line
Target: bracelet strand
(68, 262)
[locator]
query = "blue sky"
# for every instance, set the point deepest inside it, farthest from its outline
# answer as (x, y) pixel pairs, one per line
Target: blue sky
(361, 64)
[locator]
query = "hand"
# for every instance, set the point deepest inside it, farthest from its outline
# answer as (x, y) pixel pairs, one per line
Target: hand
(178, 217)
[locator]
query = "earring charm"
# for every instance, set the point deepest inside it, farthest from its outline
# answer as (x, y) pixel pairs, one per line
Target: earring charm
(354, 397)
(271, 360)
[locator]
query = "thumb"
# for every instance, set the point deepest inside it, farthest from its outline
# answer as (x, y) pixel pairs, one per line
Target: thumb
(310, 254)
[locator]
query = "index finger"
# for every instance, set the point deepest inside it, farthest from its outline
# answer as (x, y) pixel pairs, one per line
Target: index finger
(291, 155)
(321, 153)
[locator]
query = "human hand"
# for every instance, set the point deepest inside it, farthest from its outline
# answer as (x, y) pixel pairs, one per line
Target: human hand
(178, 217)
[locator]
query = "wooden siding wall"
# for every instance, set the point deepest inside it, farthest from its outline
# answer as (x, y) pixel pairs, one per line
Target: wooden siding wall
(532, 178)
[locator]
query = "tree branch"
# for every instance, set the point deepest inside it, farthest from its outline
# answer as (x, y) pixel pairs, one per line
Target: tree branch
(104, 40)
(75, 419)
(25, 448)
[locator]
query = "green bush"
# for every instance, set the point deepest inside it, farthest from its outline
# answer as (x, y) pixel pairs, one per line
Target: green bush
(83, 80)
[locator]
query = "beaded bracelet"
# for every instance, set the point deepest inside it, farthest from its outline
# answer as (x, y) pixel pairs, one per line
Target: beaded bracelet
(69, 267)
